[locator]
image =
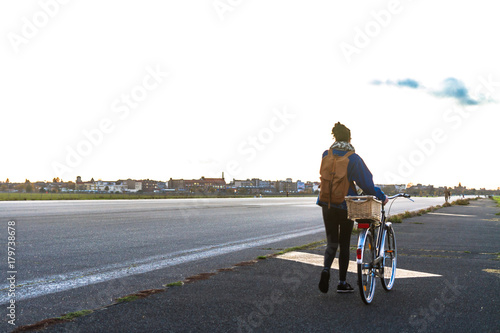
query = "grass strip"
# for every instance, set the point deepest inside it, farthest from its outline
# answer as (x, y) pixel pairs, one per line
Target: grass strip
(175, 284)
(76, 314)
(302, 247)
(128, 298)
(140, 294)
(52, 321)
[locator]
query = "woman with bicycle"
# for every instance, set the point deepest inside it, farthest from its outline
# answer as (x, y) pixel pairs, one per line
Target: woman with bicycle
(338, 228)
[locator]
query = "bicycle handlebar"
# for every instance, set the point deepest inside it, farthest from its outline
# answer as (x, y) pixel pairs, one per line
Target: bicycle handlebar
(404, 195)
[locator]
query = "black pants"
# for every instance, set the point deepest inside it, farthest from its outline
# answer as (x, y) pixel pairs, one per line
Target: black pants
(338, 233)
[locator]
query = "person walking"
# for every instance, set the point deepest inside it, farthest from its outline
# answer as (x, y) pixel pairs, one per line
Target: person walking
(338, 228)
(446, 194)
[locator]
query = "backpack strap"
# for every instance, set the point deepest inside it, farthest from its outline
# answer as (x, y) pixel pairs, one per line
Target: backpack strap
(351, 183)
(330, 151)
(348, 154)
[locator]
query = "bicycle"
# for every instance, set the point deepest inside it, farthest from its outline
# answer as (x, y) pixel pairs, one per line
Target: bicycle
(376, 254)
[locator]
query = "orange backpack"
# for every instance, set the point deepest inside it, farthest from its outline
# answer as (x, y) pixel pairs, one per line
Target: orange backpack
(333, 175)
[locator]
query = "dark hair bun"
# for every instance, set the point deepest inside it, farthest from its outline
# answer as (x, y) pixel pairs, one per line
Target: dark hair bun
(341, 132)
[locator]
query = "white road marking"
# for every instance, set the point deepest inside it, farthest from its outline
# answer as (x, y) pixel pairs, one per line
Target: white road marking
(317, 260)
(492, 271)
(445, 214)
(312, 204)
(62, 282)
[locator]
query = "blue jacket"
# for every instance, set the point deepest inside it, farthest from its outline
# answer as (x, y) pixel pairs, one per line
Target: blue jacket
(358, 172)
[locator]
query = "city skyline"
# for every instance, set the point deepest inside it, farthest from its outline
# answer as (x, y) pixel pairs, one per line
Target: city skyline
(228, 182)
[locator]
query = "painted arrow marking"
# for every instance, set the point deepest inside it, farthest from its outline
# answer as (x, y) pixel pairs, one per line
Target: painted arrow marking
(317, 260)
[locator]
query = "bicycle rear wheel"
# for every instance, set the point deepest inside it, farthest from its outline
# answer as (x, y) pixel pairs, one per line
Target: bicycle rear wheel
(366, 271)
(390, 259)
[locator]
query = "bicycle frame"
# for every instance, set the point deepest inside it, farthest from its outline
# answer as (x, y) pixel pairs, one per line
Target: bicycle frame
(379, 247)
(371, 242)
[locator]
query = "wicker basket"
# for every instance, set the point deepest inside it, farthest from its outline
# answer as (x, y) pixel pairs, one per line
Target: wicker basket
(363, 207)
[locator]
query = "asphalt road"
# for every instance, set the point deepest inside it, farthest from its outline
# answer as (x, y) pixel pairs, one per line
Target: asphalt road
(73, 255)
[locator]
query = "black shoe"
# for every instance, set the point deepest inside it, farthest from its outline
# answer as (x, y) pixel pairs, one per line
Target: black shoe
(325, 280)
(344, 288)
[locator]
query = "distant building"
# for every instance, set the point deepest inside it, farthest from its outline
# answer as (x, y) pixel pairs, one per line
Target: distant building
(301, 186)
(149, 186)
(420, 190)
(202, 184)
(121, 186)
(392, 188)
(85, 186)
(253, 186)
(162, 187)
(176, 184)
(109, 186)
(311, 187)
(286, 186)
(130, 185)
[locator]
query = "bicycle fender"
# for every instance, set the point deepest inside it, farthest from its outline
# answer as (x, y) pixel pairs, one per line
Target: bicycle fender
(361, 241)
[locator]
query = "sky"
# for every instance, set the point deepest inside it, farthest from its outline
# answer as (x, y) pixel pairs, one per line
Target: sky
(159, 89)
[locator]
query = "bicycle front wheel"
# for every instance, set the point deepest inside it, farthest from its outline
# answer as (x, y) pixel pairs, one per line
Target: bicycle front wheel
(390, 259)
(366, 270)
